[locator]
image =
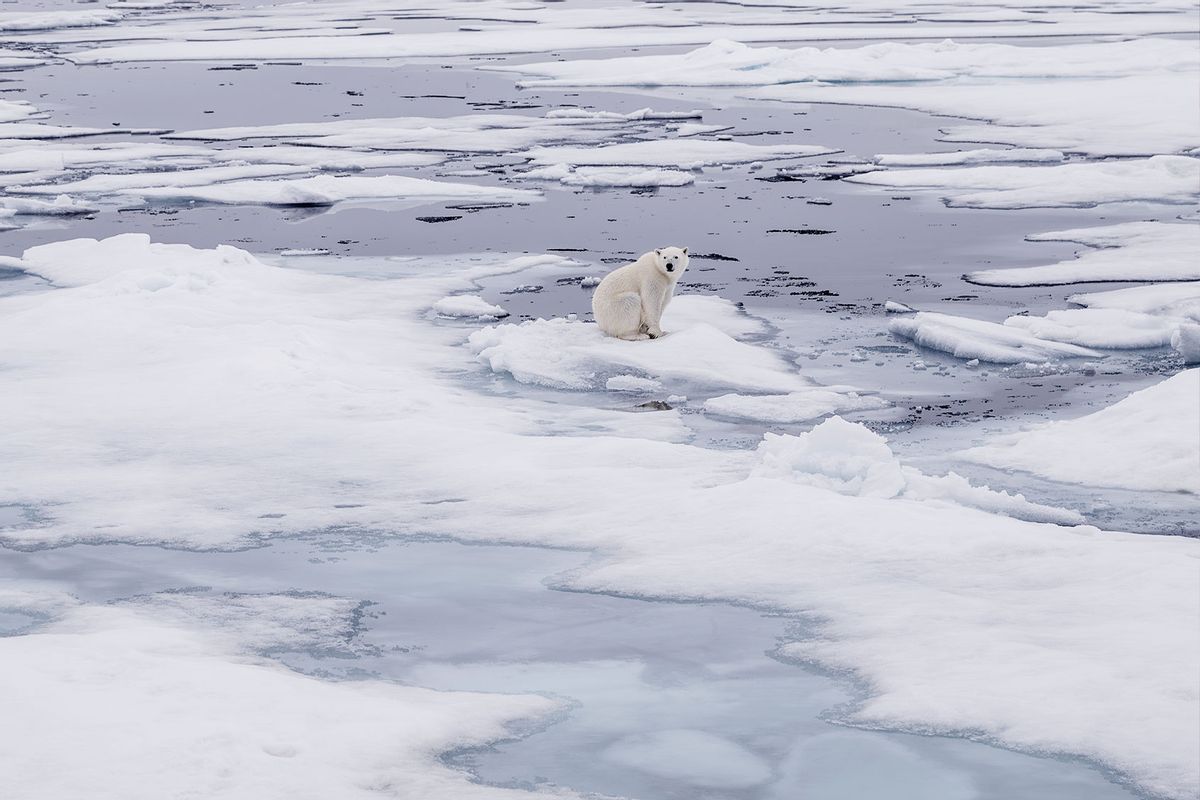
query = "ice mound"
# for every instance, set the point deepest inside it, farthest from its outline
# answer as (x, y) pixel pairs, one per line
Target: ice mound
(783, 409)
(1130, 251)
(1186, 341)
(1149, 441)
(987, 341)
(848, 458)
(468, 305)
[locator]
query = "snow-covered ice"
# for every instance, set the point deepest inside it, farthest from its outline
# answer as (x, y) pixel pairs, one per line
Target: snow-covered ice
(1150, 441)
(1163, 179)
(685, 154)
(468, 305)
(1131, 251)
(790, 408)
(966, 338)
(117, 686)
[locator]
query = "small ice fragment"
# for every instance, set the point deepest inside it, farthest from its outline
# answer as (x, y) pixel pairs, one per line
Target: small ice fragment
(892, 307)
(1186, 341)
(589, 282)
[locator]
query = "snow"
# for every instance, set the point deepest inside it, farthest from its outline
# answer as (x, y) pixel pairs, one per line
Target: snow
(1163, 179)
(154, 393)
(285, 37)
(1149, 441)
(610, 176)
(784, 409)
(1101, 328)
(585, 176)
(61, 206)
(1171, 299)
(1020, 155)
(566, 354)
(324, 190)
(468, 305)
(1057, 96)
(967, 338)
(849, 459)
(48, 20)
(1186, 341)
(1130, 251)
(137, 705)
(682, 154)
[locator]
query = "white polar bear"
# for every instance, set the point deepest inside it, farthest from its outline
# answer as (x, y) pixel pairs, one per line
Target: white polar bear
(629, 302)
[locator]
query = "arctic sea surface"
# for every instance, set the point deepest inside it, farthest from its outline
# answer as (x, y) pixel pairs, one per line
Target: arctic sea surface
(320, 482)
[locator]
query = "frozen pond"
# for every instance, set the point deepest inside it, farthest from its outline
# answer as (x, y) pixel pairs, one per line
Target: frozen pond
(668, 700)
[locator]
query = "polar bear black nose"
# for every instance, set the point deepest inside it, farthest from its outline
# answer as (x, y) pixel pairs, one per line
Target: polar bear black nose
(670, 267)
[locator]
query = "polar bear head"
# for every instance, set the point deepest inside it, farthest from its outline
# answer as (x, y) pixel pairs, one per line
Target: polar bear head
(671, 260)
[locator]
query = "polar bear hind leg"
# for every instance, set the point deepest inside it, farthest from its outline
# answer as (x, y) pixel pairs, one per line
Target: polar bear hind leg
(622, 317)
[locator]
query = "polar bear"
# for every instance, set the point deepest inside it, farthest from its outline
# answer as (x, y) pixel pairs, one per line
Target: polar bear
(629, 302)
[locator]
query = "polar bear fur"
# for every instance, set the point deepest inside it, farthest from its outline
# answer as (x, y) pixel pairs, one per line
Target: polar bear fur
(629, 302)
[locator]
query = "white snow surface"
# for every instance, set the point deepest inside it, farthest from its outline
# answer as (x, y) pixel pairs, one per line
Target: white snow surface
(467, 305)
(1149, 441)
(682, 154)
(130, 701)
(569, 354)
(784, 409)
(1164, 179)
(154, 397)
(1130, 251)
(1019, 155)
(968, 338)
(850, 459)
(1059, 96)
(1100, 328)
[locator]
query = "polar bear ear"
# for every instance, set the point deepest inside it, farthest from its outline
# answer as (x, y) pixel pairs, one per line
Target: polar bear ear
(657, 252)
(685, 251)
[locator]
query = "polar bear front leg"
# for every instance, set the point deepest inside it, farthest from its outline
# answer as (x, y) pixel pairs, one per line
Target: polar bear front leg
(653, 300)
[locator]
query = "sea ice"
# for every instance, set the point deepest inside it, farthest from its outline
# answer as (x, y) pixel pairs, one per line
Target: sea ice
(966, 338)
(1149, 441)
(785, 409)
(468, 305)
(1162, 179)
(681, 154)
(1130, 251)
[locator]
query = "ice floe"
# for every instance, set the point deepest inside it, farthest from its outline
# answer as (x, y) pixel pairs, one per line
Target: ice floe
(685, 154)
(967, 338)
(1058, 96)
(468, 305)
(154, 395)
(610, 176)
(1019, 155)
(1163, 179)
(1130, 251)
(1101, 328)
(130, 701)
(1149, 441)
(783, 409)
(850, 459)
